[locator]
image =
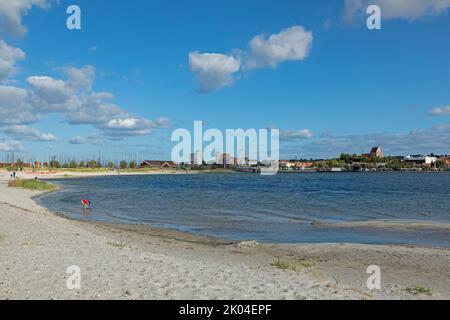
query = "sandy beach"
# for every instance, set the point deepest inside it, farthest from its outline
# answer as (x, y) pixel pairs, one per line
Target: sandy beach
(138, 262)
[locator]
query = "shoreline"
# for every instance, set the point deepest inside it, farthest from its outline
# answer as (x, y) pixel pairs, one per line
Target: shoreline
(142, 262)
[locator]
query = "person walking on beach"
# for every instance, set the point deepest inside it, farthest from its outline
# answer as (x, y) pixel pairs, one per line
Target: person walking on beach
(14, 174)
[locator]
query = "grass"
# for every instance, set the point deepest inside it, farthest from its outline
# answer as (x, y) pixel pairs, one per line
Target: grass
(85, 170)
(32, 185)
(418, 290)
(119, 245)
(294, 265)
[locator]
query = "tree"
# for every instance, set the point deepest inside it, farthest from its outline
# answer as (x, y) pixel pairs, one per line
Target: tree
(347, 158)
(55, 164)
(123, 164)
(19, 163)
(132, 165)
(442, 165)
(73, 164)
(92, 164)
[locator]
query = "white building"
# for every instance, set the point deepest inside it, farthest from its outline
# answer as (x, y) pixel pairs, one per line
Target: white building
(419, 159)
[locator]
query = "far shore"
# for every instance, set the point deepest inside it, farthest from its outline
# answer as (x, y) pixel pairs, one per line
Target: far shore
(140, 262)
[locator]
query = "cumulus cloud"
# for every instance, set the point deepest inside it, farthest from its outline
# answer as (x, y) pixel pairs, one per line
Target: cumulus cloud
(76, 101)
(133, 126)
(77, 140)
(296, 135)
(15, 107)
(12, 11)
(80, 78)
(213, 70)
(9, 146)
(162, 123)
(293, 44)
(442, 111)
(8, 58)
(21, 132)
(398, 9)
(49, 94)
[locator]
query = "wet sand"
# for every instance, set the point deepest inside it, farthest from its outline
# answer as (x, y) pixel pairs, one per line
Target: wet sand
(139, 262)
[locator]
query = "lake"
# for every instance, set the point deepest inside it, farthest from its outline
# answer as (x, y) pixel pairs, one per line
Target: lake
(285, 208)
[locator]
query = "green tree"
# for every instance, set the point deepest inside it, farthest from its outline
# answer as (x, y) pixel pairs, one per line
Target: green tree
(92, 164)
(132, 165)
(55, 164)
(123, 164)
(73, 164)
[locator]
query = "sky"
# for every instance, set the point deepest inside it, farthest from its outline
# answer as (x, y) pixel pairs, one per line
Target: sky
(138, 70)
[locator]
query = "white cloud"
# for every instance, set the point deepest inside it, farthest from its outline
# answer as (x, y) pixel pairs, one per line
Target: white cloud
(15, 108)
(76, 101)
(21, 132)
(9, 146)
(296, 135)
(293, 44)
(213, 70)
(162, 123)
(393, 9)
(443, 111)
(12, 11)
(80, 78)
(49, 94)
(77, 140)
(8, 58)
(133, 126)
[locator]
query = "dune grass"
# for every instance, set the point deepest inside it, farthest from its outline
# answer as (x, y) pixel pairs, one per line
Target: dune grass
(32, 185)
(418, 290)
(294, 265)
(119, 245)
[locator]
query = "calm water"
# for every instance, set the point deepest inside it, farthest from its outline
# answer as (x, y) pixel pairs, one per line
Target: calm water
(281, 208)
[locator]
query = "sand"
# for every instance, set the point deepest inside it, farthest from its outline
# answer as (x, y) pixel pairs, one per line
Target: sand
(137, 262)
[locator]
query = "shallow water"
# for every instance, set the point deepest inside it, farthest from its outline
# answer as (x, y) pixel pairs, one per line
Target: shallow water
(282, 208)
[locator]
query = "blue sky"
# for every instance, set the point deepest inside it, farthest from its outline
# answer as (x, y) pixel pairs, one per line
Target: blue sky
(345, 89)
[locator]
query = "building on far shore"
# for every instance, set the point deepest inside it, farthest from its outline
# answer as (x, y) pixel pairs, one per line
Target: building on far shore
(445, 160)
(157, 164)
(295, 165)
(420, 159)
(376, 152)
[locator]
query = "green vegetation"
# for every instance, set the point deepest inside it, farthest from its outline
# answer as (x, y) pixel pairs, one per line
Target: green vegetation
(294, 265)
(86, 170)
(418, 290)
(32, 185)
(123, 164)
(119, 245)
